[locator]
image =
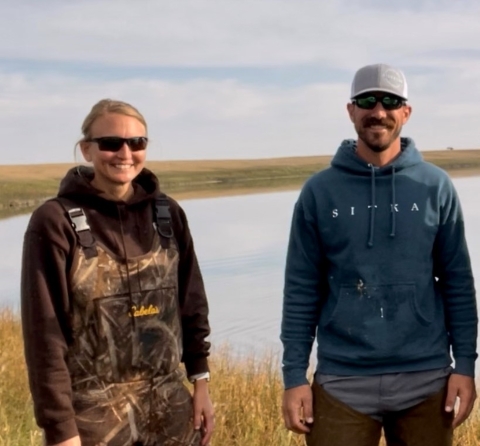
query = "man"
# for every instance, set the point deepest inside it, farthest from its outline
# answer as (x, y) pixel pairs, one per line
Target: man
(378, 270)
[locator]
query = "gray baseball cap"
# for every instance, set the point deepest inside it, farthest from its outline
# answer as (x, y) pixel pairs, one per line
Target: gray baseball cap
(379, 77)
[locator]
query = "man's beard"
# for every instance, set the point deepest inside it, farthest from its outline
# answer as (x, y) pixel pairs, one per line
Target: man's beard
(378, 145)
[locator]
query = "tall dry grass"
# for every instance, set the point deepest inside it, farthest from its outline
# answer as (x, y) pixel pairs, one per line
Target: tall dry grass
(17, 426)
(246, 393)
(247, 398)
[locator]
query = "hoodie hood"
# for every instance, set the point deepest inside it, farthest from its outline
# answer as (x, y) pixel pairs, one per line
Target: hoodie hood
(347, 159)
(77, 186)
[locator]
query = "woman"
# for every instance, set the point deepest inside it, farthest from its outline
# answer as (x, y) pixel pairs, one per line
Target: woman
(113, 301)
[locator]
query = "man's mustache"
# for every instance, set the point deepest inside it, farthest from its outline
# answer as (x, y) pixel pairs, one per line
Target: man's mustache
(367, 122)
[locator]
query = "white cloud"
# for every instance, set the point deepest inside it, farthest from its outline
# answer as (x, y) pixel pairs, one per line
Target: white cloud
(232, 33)
(435, 42)
(217, 119)
(196, 119)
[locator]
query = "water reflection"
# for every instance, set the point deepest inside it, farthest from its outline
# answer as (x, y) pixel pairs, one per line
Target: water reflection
(11, 239)
(241, 245)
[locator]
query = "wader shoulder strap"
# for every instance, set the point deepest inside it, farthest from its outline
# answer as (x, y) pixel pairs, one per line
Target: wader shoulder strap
(78, 220)
(163, 220)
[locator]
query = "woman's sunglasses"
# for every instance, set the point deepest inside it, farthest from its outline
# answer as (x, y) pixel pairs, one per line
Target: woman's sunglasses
(369, 102)
(115, 143)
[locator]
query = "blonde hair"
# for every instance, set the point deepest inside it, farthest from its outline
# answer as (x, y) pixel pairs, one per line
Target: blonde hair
(106, 106)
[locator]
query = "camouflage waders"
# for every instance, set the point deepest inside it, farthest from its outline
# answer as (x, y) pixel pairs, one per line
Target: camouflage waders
(124, 361)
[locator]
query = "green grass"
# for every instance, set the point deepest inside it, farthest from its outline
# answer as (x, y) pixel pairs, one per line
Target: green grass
(18, 197)
(22, 188)
(21, 196)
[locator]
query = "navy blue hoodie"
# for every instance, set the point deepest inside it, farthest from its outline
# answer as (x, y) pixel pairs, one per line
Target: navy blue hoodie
(378, 270)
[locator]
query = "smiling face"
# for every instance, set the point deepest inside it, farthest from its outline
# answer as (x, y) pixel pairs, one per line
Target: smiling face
(114, 171)
(378, 129)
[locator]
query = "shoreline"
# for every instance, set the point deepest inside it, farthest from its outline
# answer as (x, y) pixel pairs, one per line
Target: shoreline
(24, 187)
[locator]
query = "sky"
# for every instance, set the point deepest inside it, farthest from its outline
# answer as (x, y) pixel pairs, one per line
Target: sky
(229, 79)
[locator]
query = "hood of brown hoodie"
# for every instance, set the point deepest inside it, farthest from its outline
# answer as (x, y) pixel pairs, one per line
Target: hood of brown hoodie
(123, 227)
(77, 186)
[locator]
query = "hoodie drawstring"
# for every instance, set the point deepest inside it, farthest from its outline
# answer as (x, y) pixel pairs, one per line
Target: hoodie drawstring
(372, 207)
(392, 233)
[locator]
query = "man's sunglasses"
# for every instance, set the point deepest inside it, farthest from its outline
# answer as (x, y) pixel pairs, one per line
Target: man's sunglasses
(115, 143)
(369, 102)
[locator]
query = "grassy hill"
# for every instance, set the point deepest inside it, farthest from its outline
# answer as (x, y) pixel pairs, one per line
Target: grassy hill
(22, 187)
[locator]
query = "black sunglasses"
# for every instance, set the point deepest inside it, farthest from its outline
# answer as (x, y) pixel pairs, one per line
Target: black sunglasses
(369, 102)
(115, 143)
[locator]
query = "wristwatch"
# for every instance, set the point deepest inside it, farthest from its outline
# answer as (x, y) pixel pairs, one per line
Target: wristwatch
(204, 375)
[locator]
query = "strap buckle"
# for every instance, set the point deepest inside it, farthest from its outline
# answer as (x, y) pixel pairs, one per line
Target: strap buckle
(163, 219)
(78, 220)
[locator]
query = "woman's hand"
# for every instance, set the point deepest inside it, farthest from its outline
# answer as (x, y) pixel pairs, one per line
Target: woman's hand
(74, 441)
(203, 410)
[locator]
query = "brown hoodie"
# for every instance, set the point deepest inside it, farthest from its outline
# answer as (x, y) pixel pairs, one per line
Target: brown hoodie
(49, 248)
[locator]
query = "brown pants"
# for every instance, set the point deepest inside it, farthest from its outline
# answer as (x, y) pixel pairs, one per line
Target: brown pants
(336, 424)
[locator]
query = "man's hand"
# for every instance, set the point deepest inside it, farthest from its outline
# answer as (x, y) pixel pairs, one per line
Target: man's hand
(75, 441)
(462, 387)
(297, 408)
(203, 410)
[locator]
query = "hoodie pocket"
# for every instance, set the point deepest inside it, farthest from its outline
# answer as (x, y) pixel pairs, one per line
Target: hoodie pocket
(377, 316)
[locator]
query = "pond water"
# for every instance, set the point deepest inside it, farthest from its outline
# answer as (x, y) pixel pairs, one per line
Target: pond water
(241, 245)
(240, 242)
